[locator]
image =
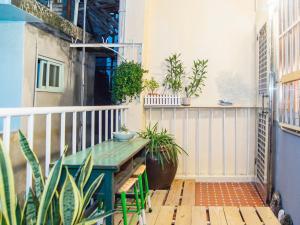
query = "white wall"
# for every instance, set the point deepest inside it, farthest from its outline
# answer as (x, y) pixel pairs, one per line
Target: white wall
(221, 31)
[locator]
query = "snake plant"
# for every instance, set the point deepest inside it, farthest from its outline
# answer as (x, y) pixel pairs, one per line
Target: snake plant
(46, 203)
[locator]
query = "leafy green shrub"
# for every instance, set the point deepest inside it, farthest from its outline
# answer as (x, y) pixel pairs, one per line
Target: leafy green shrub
(127, 82)
(194, 88)
(151, 85)
(175, 74)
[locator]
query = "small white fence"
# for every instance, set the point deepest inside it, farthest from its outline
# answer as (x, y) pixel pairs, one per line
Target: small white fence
(83, 123)
(162, 100)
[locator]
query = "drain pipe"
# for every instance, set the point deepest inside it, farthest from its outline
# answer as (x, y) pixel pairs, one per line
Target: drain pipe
(83, 56)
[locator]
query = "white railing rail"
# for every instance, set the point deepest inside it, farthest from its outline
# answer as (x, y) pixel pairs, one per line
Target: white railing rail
(83, 124)
(220, 141)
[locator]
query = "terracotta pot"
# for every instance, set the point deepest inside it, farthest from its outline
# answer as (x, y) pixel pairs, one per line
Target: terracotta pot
(186, 101)
(160, 177)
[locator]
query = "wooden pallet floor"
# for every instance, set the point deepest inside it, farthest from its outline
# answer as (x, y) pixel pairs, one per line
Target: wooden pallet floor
(177, 207)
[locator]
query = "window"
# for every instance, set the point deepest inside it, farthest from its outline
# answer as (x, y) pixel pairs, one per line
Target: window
(50, 75)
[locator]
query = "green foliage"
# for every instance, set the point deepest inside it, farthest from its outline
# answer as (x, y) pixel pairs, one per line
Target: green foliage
(47, 204)
(162, 145)
(124, 128)
(175, 74)
(127, 81)
(151, 85)
(197, 79)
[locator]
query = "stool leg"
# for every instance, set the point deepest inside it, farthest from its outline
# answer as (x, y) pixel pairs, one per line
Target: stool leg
(137, 202)
(142, 194)
(124, 207)
(147, 192)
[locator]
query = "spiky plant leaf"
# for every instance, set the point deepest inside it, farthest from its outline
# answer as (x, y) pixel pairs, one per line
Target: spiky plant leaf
(69, 201)
(90, 192)
(96, 218)
(55, 209)
(7, 188)
(18, 212)
(49, 191)
(84, 172)
(34, 164)
(30, 208)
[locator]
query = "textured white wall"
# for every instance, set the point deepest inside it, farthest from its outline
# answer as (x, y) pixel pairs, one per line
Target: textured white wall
(221, 31)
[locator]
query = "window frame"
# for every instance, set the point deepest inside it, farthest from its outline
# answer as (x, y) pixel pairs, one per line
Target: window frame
(40, 75)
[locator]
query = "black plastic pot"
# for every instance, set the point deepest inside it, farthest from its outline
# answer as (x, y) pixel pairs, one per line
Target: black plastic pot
(160, 177)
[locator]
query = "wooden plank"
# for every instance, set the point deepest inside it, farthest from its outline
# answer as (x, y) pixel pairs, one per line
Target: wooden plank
(233, 216)
(165, 216)
(250, 216)
(267, 216)
(152, 217)
(158, 197)
(131, 217)
(184, 215)
(217, 216)
(188, 197)
(174, 193)
(199, 215)
(117, 218)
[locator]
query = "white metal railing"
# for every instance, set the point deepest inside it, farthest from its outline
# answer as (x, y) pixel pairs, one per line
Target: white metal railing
(83, 123)
(220, 141)
(162, 100)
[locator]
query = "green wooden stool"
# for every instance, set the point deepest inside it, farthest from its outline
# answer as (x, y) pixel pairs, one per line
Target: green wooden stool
(131, 182)
(142, 177)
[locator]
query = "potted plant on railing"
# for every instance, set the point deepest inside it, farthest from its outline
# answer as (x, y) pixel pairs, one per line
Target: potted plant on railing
(194, 88)
(162, 157)
(151, 86)
(127, 82)
(175, 74)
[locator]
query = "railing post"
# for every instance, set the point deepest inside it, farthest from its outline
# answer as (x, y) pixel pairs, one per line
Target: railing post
(93, 128)
(117, 120)
(106, 125)
(111, 123)
(48, 143)
(74, 133)
(30, 134)
(100, 127)
(62, 132)
(83, 130)
(6, 133)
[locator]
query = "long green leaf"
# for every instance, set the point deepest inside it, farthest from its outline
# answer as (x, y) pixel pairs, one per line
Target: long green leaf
(93, 220)
(69, 201)
(7, 188)
(49, 191)
(84, 172)
(34, 164)
(90, 192)
(18, 213)
(29, 214)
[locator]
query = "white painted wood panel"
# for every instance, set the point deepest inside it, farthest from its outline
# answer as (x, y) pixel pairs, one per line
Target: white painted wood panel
(220, 141)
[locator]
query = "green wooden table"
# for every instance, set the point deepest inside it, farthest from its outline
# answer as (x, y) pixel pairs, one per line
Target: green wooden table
(117, 160)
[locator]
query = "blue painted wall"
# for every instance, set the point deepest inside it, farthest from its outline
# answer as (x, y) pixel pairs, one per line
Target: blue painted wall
(287, 172)
(11, 66)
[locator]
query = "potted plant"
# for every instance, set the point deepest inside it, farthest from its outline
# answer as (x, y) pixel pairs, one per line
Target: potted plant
(151, 85)
(127, 82)
(175, 74)
(162, 157)
(194, 88)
